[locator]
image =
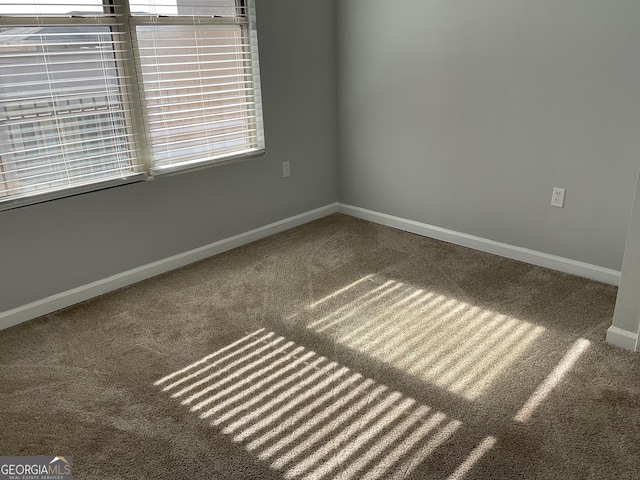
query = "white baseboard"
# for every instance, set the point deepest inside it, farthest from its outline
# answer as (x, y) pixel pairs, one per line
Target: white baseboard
(99, 287)
(70, 297)
(622, 338)
(541, 259)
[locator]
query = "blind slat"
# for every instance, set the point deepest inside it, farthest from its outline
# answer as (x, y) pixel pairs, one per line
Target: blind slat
(201, 97)
(240, 114)
(210, 81)
(169, 45)
(42, 94)
(64, 58)
(156, 77)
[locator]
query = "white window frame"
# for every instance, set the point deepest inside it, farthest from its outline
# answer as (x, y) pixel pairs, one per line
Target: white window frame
(125, 25)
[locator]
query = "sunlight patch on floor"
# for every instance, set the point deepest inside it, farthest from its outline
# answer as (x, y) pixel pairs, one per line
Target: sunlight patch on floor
(555, 377)
(473, 458)
(451, 344)
(309, 417)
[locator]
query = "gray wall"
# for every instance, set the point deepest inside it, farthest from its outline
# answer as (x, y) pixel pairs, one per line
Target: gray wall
(465, 114)
(49, 248)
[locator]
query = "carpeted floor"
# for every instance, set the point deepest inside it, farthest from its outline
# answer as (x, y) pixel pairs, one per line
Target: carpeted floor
(340, 349)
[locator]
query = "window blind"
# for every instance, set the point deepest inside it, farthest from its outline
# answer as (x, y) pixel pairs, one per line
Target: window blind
(198, 68)
(65, 116)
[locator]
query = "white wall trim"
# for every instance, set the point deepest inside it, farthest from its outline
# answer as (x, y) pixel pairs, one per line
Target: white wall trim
(622, 338)
(70, 297)
(566, 265)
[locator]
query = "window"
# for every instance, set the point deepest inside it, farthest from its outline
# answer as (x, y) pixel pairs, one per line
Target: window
(95, 93)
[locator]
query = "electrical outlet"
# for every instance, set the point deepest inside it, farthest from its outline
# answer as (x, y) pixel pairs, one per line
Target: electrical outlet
(557, 197)
(286, 169)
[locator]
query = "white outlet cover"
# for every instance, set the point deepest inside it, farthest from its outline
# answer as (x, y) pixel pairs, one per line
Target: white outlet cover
(286, 169)
(557, 197)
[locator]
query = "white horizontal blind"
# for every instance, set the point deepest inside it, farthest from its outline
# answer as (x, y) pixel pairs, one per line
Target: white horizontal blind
(198, 68)
(64, 116)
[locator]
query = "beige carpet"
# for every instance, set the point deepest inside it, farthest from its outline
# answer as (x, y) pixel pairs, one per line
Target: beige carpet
(337, 350)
